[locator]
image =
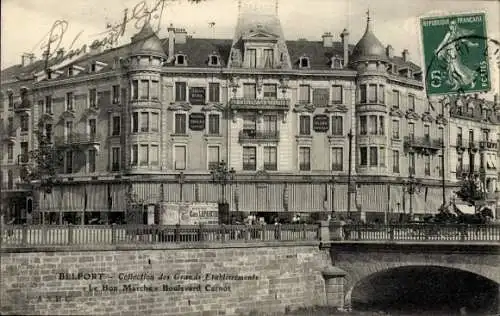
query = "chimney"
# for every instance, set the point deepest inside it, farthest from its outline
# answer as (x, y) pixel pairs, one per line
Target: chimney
(345, 44)
(406, 55)
(27, 59)
(171, 40)
(180, 36)
(389, 51)
(327, 39)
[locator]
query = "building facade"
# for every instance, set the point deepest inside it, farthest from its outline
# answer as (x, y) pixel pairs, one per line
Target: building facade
(307, 126)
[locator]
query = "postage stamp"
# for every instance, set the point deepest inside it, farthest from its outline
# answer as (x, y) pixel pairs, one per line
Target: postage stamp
(455, 50)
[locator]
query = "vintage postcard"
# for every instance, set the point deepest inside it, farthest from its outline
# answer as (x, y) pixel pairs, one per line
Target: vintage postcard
(250, 157)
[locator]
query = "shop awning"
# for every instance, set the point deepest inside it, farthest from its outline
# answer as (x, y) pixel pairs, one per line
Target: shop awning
(466, 209)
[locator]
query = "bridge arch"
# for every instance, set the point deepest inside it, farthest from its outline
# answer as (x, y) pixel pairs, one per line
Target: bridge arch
(397, 283)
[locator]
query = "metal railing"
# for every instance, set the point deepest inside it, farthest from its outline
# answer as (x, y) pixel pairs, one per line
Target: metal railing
(78, 138)
(425, 142)
(52, 235)
(258, 135)
(487, 145)
(416, 232)
(250, 103)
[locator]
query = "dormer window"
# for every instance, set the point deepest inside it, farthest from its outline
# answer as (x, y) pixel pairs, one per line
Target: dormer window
(304, 62)
(93, 67)
(336, 63)
(180, 59)
(213, 60)
(70, 71)
(24, 93)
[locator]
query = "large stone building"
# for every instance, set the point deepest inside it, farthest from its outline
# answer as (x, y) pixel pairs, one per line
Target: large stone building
(295, 119)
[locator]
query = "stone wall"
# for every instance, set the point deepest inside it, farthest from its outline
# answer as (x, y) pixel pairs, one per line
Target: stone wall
(231, 280)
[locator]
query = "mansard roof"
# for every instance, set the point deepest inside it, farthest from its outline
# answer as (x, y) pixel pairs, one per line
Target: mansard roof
(198, 51)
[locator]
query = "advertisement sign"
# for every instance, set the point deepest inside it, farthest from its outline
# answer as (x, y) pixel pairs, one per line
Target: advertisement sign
(455, 53)
(197, 121)
(189, 213)
(321, 123)
(197, 95)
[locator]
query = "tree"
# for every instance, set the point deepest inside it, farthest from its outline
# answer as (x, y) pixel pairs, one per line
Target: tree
(46, 162)
(471, 191)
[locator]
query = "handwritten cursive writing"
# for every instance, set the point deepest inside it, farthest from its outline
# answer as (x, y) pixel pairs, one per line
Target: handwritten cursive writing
(141, 15)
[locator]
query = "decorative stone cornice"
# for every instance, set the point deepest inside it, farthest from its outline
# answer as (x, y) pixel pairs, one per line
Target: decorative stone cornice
(412, 115)
(440, 119)
(427, 117)
(394, 111)
(91, 111)
(179, 106)
(67, 115)
(304, 108)
(337, 108)
(214, 107)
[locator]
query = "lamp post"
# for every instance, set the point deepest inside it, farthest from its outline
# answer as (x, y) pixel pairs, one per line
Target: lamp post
(222, 174)
(412, 186)
(333, 197)
(351, 187)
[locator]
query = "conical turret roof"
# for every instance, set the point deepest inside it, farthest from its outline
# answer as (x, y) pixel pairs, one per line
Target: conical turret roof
(368, 47)
(146, 41)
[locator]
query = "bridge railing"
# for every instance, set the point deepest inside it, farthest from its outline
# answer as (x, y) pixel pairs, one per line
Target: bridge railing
(415, 232)
(48, 235)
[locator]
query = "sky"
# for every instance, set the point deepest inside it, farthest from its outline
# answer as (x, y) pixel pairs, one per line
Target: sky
(25, 23)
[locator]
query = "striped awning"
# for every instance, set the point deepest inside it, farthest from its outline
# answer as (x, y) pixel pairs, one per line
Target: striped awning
(396, 199)
(73, 197)
(118, 194)
(148, 192)
(97, 198)
(306, 197)
(373, 197)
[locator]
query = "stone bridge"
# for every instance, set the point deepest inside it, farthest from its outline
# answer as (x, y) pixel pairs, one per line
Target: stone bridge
(379, 271)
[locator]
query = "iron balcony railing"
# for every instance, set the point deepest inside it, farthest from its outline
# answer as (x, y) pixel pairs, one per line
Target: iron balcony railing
(24, 105)
(249, 166)
(423, 142)
(78, 139)
(487, 145)
(254, 135)
(259, 104)
(23, 159)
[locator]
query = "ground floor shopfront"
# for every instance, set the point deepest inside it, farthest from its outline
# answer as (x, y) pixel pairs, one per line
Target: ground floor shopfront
(105, 202)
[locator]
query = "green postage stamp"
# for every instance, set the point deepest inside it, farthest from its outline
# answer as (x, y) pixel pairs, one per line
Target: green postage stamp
(455, 49)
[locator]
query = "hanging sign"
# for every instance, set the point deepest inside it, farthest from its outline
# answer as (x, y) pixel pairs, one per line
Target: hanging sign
(321, 123)
(197, 95)
(197, 121)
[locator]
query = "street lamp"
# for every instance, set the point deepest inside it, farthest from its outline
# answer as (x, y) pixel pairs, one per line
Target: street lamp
(222, 174)
(412, 186)
(333, 197)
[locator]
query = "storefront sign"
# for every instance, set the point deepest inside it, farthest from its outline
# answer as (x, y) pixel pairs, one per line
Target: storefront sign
(197, 121)
(197, 95)
(321, 123)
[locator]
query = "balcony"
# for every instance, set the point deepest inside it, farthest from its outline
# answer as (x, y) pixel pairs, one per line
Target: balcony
(259, 136)
(249, 166)
(259, 104)
(9, 135)
(78, 139)
(23, 159)
(488, 145)
(270, 166)
(305, 166)
(23, 106)
(422, 145)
